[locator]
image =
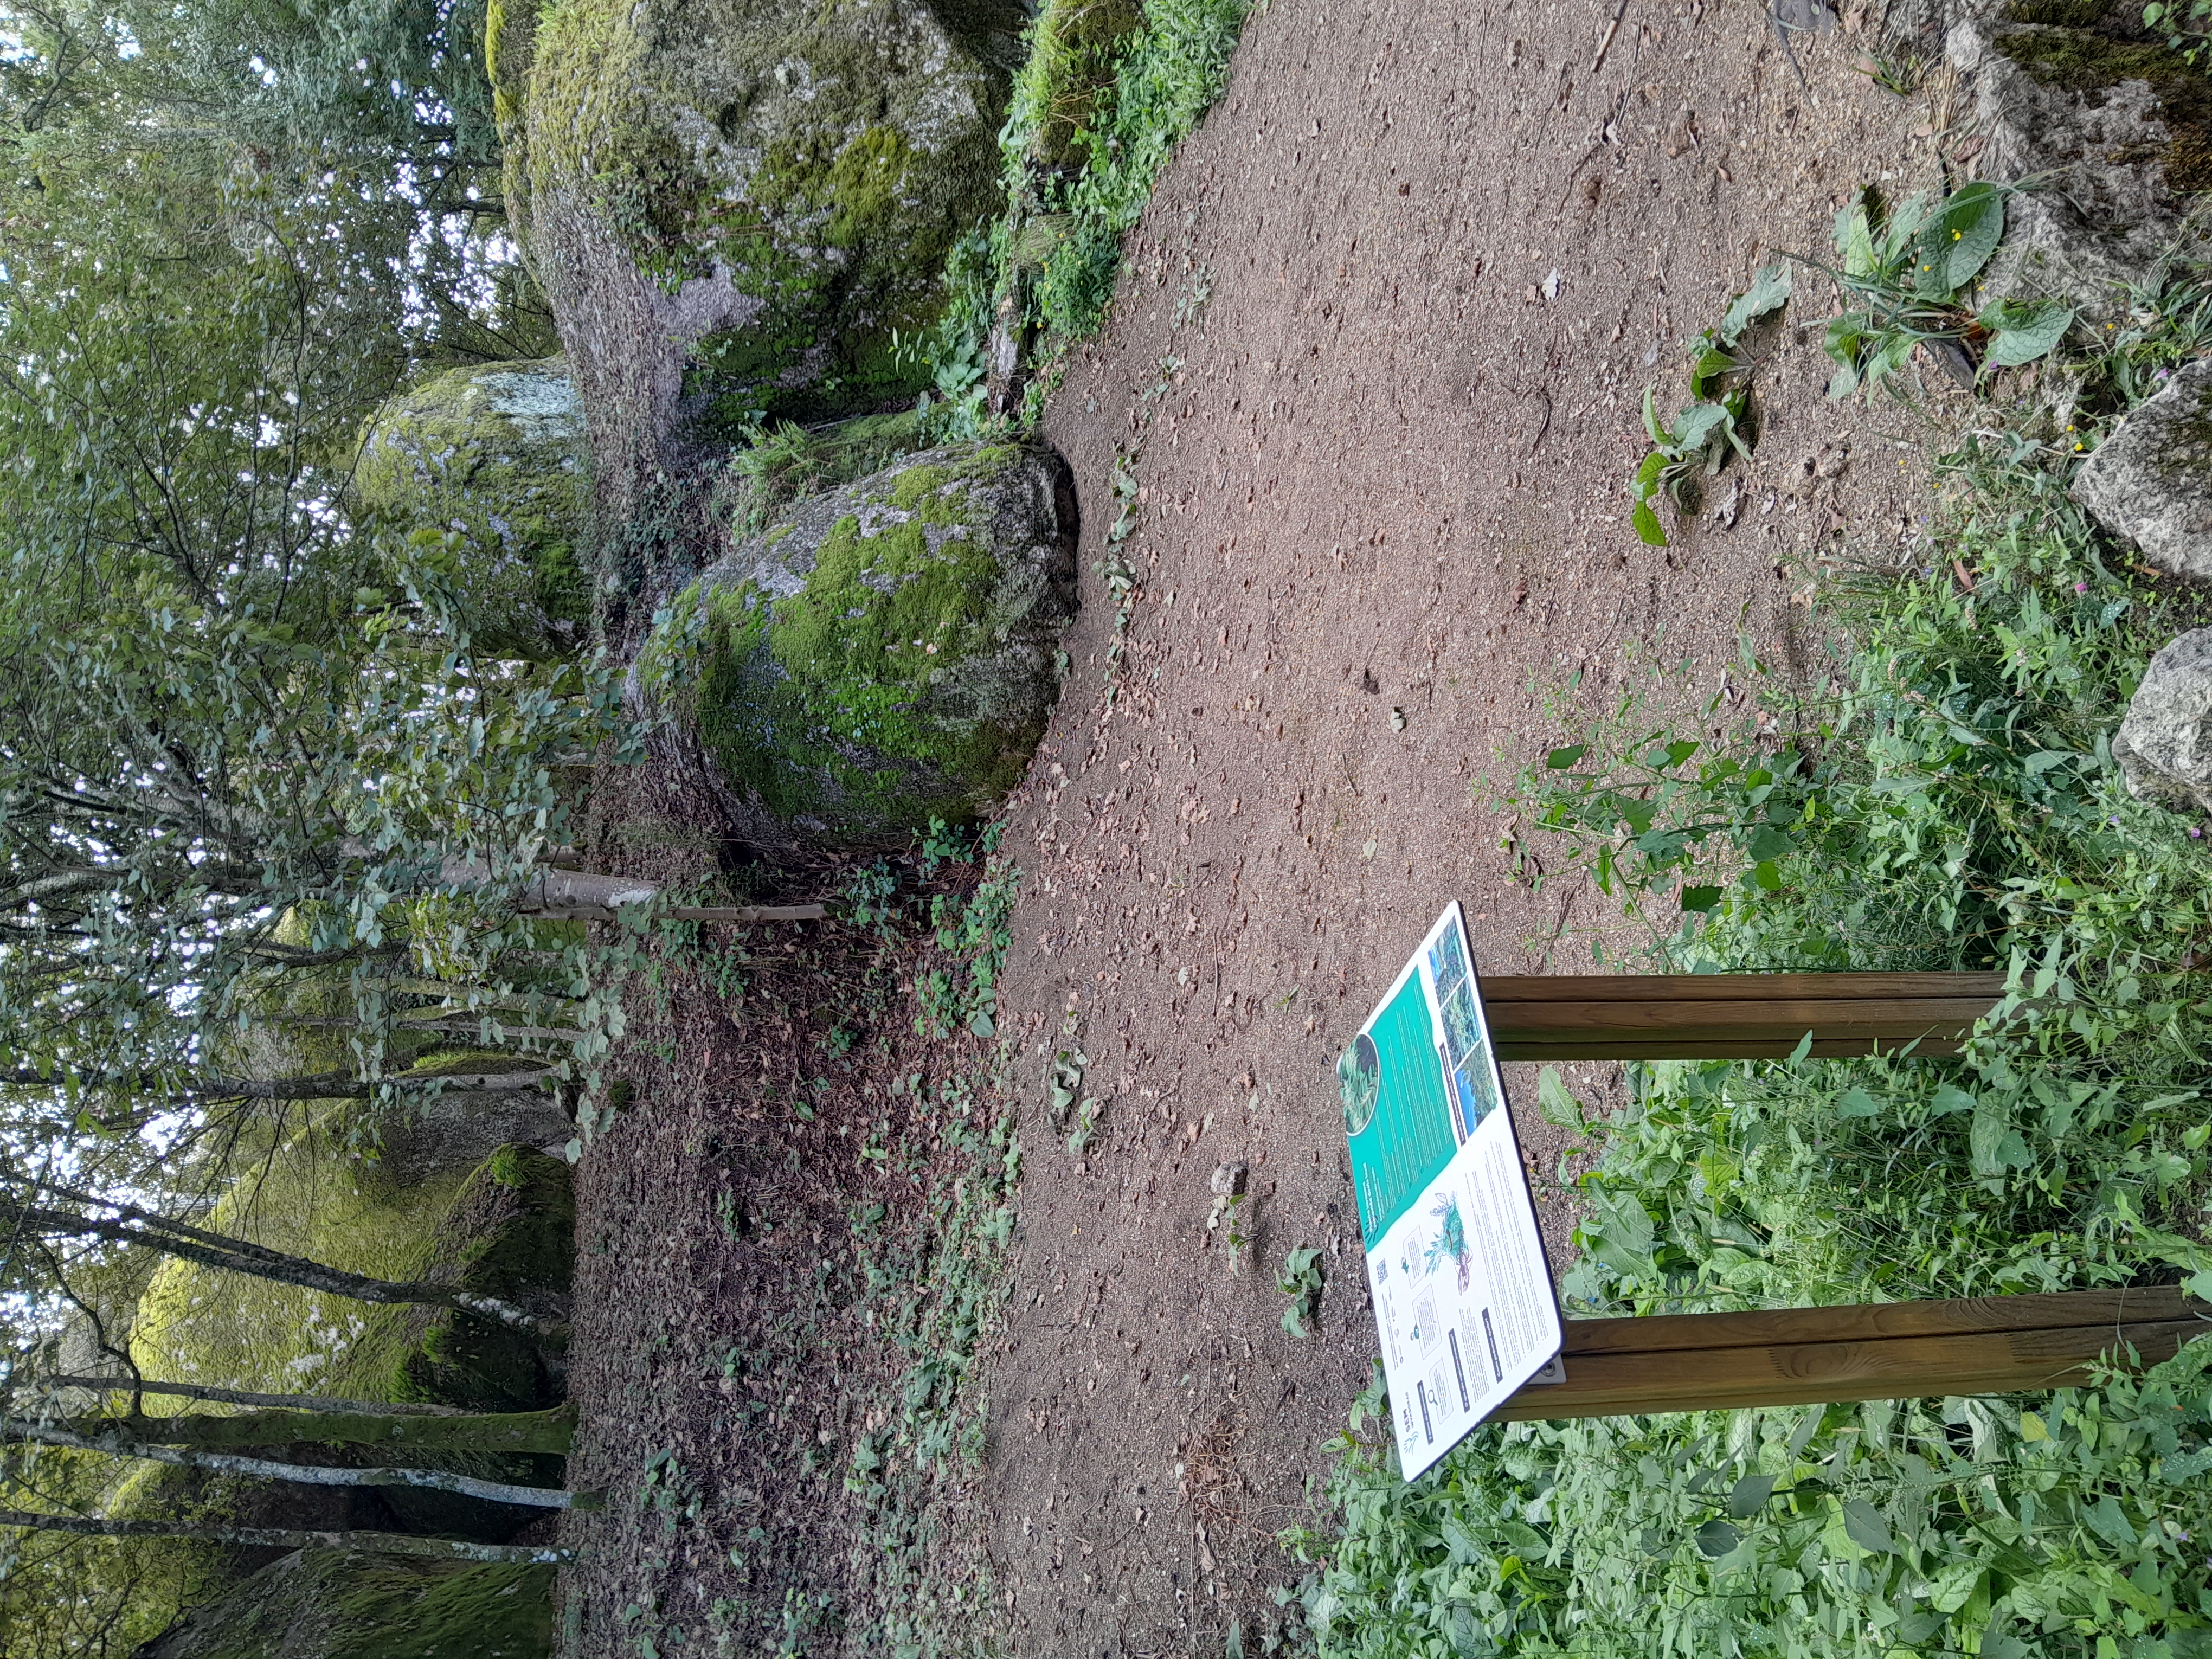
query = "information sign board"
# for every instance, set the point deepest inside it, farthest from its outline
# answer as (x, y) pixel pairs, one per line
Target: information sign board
(1463, 1299)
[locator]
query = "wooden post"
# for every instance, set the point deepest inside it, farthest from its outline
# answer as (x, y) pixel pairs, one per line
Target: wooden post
(1884, 1351)
(1732, 1016)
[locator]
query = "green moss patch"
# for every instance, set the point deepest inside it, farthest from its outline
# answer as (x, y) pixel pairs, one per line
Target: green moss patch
(865, 699)
(507, 1229)
(493, 454)
(2075, 60)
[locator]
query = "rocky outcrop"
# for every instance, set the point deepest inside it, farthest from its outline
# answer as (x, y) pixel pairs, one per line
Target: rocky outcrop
(2107, 129)
(494, 455)
(323, 1604)
(2150, 482)
(880, 654)
(743, 205)
(2164, 746)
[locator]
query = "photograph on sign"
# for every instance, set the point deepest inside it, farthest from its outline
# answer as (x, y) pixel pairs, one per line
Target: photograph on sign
(1464, 1305)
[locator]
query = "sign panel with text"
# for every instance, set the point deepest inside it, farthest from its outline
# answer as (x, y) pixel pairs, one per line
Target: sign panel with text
(1463, 1299)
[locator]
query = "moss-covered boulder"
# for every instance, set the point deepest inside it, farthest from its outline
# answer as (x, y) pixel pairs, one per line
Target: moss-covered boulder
(323, 1604)
(506, 1229)
(494, 453)
(883, 654)
(763, 192)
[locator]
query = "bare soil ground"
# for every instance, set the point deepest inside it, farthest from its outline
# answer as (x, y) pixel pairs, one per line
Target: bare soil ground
(1376, 364)
(1379, 355)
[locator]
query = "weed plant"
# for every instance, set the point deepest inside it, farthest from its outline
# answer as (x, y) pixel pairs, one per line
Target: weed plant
(1950, 802)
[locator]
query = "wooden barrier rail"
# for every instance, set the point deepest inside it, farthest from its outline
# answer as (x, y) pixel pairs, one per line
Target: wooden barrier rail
(1884, 1351)
(1731, 1016)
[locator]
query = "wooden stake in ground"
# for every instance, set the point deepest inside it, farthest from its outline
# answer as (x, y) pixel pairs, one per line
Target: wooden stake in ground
(1885, 1350)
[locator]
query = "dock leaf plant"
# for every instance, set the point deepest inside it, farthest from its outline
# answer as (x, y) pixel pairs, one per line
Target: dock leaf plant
(1711, 426)
(1947, 801)
(1908, 273)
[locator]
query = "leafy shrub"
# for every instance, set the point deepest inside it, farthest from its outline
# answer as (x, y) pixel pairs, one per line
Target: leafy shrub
(1950, 802)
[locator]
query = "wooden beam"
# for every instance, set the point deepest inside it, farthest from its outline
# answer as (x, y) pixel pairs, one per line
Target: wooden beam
(1904, 1350)
(1732, 1016)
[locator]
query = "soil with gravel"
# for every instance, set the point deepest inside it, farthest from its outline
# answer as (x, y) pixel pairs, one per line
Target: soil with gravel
(1377, 365)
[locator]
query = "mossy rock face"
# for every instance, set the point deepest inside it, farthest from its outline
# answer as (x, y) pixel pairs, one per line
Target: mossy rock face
(495, 453)
(506, 1229)
(883, 654)
(2115, 129)
(760, 192)
(324, 1604)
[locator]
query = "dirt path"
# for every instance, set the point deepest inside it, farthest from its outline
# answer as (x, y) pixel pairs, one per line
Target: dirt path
(1383, 335)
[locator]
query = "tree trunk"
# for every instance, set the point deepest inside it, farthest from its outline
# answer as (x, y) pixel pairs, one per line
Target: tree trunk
(313, 1085)
(548, 1431)
(290, 1538)
(118, 1445)
(132, 1225)
(291, 1402)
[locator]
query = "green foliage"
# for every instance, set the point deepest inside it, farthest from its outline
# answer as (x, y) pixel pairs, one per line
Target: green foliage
(2070, 1525)
(1302, 1281)
(323, 1604)
(1165, 78)
(1952, 805)
(1910, 271)
(1707, 430)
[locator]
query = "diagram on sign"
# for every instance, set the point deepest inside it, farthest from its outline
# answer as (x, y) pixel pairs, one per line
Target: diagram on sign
(1464, 1305)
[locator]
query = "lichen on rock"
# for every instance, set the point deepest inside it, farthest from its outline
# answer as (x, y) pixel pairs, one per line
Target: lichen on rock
(494, 453)
(2150, 482)
(2164, 746)
(748, 204)
(2105, 127)
(883, 654)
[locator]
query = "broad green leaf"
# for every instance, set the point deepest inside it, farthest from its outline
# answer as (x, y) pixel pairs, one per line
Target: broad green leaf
(1749, 1495)
(1559, 759)
(1645, 484)
(1958, 238)
(2033, 336)
(1717, 1538)
(1651, 415)
(1649, 531)
(1556, 1102)
(1987, 1137)
(1700, 900)
(1767, 292)
(1697, 425)
(1856, 1102)
(1711, 365)
(1866, 1528)
(1854, 238)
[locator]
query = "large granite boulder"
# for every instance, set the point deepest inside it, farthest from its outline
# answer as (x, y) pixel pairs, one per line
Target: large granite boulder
(740, 206)
(494, 453)
(880, 654)
(2164, 746)
(2150, 482)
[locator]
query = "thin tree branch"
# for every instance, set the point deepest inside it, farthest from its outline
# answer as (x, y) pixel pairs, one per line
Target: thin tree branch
(385, 1543)
(118, 1444)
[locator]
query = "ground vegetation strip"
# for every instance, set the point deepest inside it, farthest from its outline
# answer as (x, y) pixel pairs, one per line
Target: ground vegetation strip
(789, 1253)
(1950, 800)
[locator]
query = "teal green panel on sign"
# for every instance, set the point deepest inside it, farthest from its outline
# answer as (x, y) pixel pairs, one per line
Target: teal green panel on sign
(1407, 1142)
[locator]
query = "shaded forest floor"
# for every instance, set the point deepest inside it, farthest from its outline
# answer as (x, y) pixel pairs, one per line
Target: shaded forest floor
(1375, 369)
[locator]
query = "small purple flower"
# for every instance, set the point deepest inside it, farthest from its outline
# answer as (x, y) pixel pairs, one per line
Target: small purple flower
(2114, 822)
(2197, 832)
(2081, 587)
